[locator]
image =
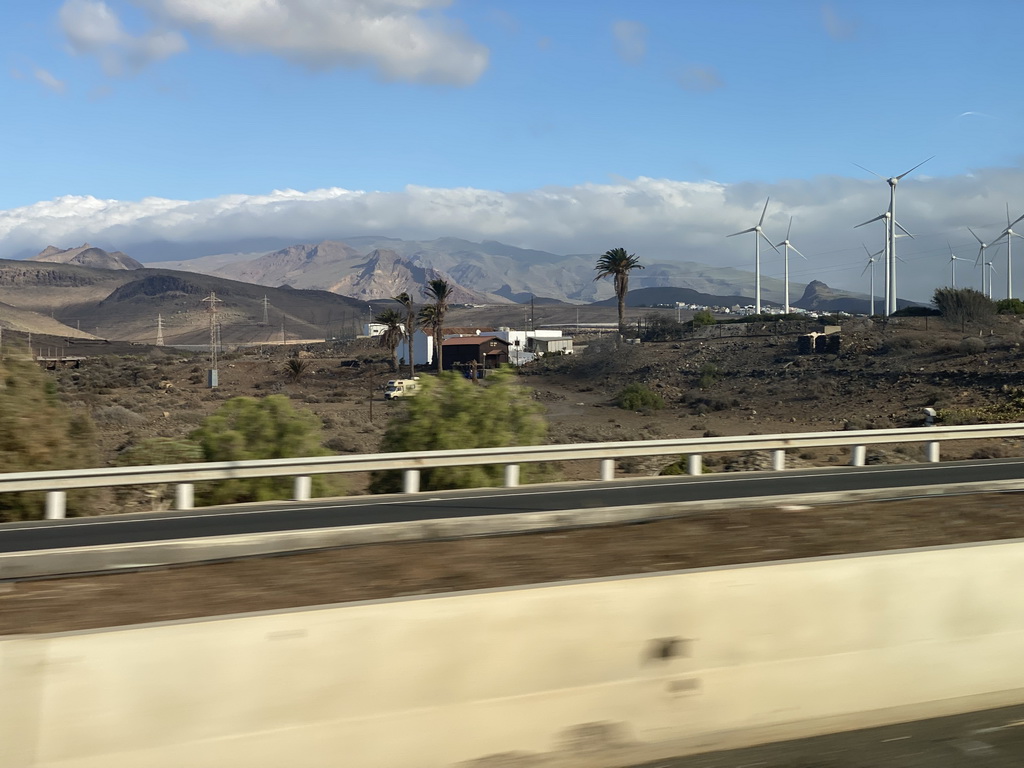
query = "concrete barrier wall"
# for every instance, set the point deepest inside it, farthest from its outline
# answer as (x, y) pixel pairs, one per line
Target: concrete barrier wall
(587, 673)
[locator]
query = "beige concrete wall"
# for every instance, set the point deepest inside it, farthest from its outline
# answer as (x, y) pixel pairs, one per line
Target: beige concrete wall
(656, 664)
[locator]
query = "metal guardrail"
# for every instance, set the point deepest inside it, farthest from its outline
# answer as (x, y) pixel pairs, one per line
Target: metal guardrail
(56, 482)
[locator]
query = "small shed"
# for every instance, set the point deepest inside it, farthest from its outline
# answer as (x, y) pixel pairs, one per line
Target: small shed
(485, 351)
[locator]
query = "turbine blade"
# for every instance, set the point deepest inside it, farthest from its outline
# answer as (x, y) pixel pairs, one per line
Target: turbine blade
(1016, 220)
(870, 171)
(904, 229)
(762, 234)
(980, 241)
(914, 168)
(790, 227)
(761, 220)
(745, 231)
(793, 248)
(867, 267)
(981, 253)
(877, 218)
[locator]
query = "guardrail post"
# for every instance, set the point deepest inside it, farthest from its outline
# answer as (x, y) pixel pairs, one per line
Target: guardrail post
(184, 496)
(511, 475)
(931, 451)
(55, 505)
(411, 481)
(858, 455)
(694, 464)
(778, 459)
(607, 469)
(303, 490)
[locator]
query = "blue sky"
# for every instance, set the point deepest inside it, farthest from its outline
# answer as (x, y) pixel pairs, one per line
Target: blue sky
(168, 119)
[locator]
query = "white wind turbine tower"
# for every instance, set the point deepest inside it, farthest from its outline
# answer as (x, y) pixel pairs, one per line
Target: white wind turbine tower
(786, 258)
(953, 259)
(890, 257)
(872, 258)
(758, 234)
(1009, 234)
(991, 269)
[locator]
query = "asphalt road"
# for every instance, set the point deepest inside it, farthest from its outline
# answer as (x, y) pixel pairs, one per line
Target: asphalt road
(362, 510)
(990, 739)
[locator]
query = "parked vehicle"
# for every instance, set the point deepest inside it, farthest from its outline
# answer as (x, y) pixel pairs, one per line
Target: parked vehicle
(401, 388)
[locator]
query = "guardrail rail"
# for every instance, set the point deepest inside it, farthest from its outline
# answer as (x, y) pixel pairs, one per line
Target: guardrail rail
(55, 483)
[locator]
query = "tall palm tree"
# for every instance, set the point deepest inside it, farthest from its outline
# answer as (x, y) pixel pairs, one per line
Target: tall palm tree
(410, 326)
(618, 264)
(439, 292)
(392, 335)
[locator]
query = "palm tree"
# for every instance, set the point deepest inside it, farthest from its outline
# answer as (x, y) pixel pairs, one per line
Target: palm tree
(439, 292)
(618, 264)
(410, 326)
(392, 321)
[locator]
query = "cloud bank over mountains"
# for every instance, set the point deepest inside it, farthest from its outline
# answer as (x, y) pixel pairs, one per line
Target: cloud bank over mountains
(659, 219)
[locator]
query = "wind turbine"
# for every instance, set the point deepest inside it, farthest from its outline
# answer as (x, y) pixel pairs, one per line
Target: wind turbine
(1009, 234)
(786, 258)
(892, 181)
(871, 265)
(758, 234)
(981, 250)
(953, 259)
(890, 253)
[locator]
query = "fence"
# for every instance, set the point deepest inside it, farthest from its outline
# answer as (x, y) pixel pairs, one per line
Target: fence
(56, 482)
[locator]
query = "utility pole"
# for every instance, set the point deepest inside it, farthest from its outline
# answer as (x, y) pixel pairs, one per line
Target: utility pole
(212, 302)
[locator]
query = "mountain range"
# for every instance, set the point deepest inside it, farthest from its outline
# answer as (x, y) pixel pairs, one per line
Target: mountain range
(324, 288)
(376, 268)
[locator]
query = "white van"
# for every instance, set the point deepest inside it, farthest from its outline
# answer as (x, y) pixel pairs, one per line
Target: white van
(401, 388)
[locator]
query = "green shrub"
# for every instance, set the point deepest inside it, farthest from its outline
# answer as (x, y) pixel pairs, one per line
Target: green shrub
(702, 317)
(637, 397)
(963, 305)
(159, 450)
(972, 345)
(452, 412)
(709, 375)
(245, 428)
(37, 432)
(1010, 307)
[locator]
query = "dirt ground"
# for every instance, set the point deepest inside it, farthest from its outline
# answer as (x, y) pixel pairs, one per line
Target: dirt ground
(389, 570)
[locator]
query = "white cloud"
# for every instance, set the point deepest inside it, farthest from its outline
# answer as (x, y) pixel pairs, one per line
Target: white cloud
(400, 39)
(660, 219)
(48, 80)
(837, 27)
(630, 40)
(701, 79)
(92, 28)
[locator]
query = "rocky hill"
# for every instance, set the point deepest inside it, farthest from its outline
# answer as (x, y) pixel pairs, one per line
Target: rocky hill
(818, 296)
(126, 304)
(487, 272)
(88, 256)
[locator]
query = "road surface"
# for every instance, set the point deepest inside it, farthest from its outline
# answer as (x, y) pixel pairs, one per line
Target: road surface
(363, 510)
